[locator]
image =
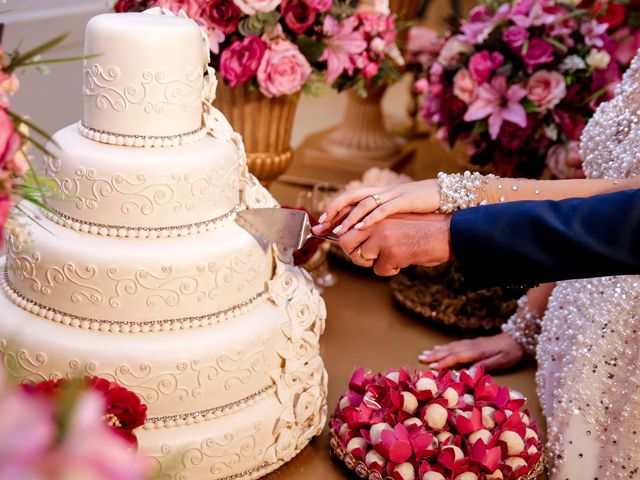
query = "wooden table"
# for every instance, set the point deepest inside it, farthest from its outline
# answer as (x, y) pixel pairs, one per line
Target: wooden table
(366, 328)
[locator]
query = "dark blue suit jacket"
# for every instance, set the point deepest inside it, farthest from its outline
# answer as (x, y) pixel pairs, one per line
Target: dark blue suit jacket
(526, 243)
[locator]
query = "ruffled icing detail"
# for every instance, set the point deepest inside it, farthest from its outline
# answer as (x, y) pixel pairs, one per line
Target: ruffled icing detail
(112, 138)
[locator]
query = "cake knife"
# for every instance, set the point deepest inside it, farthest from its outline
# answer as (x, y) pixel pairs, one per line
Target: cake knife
(282, 226)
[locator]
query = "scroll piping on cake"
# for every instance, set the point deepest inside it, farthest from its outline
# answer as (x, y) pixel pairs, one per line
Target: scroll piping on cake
(168, 421)
(115, 326)
(113, 138)
(139, 232)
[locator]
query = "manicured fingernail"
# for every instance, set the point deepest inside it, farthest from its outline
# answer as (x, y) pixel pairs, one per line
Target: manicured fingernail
(359, 225)
(322, 218)
(338, 229)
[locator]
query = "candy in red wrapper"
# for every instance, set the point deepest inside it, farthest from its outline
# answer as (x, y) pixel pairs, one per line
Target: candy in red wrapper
(443, 425)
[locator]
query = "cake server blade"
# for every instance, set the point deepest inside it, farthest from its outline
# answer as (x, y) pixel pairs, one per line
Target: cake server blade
(282, 226)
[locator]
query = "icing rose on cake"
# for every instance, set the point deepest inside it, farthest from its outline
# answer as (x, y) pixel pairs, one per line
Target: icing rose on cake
(434, 425)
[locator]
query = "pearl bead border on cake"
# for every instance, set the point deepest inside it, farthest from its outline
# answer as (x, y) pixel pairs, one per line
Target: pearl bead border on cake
(143, 141)
(114, 326)
(179, 420)
(104, 230)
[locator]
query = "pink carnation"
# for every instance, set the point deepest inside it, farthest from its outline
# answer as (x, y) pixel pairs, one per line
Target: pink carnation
(538, 52)
(320, 5)
(283, 70)
(241, 60)
(464, 86)
(483, 63)
(546, 89)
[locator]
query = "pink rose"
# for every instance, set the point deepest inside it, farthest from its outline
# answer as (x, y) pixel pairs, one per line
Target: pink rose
(283, 70)
(515, 36)
(320, 6)
(298, 15)
(538, 52)
(545, 89)
(223, 15)
(251, 7)
(370, 70)
(483, 63)
(193, 8)
(10, 141)
(421, 86)
(564, 161)
(241, 60)
(464, 86)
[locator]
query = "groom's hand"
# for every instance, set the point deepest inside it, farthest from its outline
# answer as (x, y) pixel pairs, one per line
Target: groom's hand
(400, 241)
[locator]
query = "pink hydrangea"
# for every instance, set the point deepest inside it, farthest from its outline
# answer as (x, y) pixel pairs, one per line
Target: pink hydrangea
(283, 70)
(240, 61)
(546, 89)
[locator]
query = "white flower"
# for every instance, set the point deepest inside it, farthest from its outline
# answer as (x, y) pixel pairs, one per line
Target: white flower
(572, 63)
(598, 59)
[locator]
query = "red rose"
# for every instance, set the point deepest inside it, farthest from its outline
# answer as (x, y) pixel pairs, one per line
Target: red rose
(130, 6)
(538, 52)
(612, 13)
(223, 15)
(298, 15)
(239, 63)
(47, 387)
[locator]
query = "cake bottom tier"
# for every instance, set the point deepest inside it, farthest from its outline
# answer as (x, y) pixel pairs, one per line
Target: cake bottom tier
(244, 445)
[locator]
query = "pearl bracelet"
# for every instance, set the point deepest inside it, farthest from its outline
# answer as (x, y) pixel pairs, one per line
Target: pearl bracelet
(461, 190)
(524, 326)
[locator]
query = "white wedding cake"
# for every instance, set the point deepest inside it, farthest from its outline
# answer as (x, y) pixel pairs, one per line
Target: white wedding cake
(143, 276)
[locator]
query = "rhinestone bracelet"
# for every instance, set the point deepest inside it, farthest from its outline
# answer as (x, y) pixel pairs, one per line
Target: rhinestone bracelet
(461, 190)
(524, 326)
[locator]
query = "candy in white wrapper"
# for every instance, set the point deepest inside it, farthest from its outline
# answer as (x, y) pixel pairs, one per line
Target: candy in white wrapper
(529, 433)
(532, 450)
(410, 402)
(395, 376)
(436, 416)
(374, 457)
(432, 476)
(482, 434)
(497, 475)
(468, 399)
(376, 431)
(344, 429)
(488, 417)
(344, 402)
(406, 471)
(467, 476)
(451, 396)
(412, 422)
(515, 462)
(514, 442)
(444, 436)
(427, 384)
(356, 443)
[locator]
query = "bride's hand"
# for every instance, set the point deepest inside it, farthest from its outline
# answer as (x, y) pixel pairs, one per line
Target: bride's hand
(493, 353)
(412, 197)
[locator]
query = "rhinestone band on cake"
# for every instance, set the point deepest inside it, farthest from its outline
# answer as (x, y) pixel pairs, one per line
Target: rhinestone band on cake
(179, 420)
(141, 232)
(125, 326)
(112, 138)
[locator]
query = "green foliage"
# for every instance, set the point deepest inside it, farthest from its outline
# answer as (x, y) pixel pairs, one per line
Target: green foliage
(310, 48)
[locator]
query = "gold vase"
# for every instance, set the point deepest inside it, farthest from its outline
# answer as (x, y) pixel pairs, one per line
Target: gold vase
(265, 125)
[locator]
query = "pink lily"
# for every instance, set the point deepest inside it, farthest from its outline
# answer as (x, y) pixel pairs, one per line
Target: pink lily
(342, 47)
(499, 103)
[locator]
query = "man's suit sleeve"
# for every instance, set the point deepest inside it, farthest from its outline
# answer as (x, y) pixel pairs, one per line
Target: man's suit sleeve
(526, 243)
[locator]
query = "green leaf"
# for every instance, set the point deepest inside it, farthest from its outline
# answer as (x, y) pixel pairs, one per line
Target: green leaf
(480, 127)
(47, 61)
(529, 106)
(32, 126)
(310, 48)
(558, 45)
(22, 58)
(595, 95)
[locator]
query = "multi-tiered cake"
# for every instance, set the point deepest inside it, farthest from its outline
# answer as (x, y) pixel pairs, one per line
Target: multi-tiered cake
(143, 277)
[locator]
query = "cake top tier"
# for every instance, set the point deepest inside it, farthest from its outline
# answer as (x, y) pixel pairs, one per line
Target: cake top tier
(144, 85)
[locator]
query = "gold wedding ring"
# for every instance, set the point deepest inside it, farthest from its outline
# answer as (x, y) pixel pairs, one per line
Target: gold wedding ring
(364, 257)
(377, 199)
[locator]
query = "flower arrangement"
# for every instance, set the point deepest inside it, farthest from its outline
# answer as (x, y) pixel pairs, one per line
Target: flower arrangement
(67, 429)
(282, 47)
(517, 82)
(434, 426)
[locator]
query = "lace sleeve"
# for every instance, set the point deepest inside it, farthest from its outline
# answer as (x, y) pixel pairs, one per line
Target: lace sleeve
(524, 326)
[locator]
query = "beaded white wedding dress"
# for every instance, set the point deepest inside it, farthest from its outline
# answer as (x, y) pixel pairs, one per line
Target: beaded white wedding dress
(589, 346)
